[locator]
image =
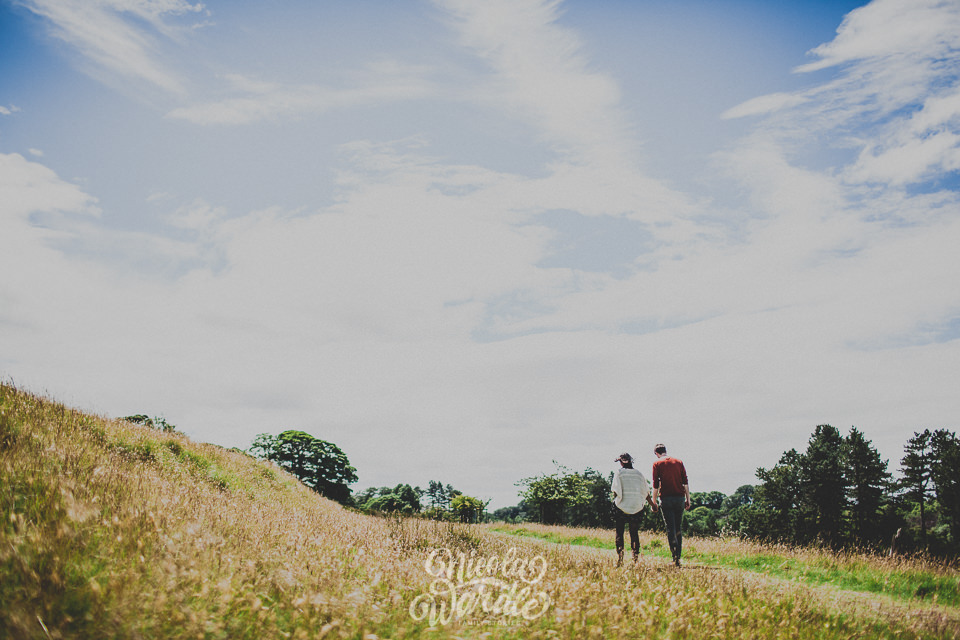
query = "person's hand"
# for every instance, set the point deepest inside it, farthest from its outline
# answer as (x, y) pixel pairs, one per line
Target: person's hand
(687, 505)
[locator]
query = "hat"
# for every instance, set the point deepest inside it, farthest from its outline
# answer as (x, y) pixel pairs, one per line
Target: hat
(626, 457)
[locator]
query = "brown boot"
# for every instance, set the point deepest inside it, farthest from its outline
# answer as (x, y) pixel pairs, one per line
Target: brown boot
(619, 557)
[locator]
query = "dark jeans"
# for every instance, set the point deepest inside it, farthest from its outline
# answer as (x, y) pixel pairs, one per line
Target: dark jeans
(672, 508)
(621, 519)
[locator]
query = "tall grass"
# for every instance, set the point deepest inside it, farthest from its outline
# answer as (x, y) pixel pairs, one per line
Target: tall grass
(114, 530)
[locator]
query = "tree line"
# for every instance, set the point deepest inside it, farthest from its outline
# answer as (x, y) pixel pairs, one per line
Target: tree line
(836, 492)
(323, 467)
(840, 492)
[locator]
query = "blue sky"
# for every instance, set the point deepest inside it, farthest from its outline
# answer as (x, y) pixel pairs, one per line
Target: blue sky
(464, 239)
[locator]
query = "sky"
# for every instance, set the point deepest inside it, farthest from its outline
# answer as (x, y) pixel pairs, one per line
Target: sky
(468, 241)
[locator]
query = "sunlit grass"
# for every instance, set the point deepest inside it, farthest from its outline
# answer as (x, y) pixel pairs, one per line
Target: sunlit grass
(114, 530)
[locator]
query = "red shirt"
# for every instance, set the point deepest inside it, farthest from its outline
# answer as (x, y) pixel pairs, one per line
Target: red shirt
(669, 476)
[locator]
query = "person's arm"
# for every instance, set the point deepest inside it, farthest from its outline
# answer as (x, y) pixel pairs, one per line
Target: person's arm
(655, 476)
(686, 487)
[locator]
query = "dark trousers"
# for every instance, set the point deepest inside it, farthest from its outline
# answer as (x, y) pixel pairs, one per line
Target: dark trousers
(622, 519)
(672, 508)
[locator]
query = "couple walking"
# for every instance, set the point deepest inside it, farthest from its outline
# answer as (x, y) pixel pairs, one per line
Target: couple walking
(631, 491)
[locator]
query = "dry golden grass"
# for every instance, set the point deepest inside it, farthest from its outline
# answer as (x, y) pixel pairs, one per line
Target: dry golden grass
(112, 530)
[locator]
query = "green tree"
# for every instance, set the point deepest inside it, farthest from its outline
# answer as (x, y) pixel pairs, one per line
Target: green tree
(594, 509)
(388, 503)
(823, 485)
(734, 509)
(437, 495)
(704, 516)
(437, 499)
(554, 494)
(702, 521)
(467, 508)
(516, 513)
(916, 467)
(399, 499)
(868, 481)
(319, 464)
(410, 496)
(945, 473)
(154, 423)
(710, 499)
(777, 500)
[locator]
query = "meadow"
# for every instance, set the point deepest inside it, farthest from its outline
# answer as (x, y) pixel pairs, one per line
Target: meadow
(115, 530)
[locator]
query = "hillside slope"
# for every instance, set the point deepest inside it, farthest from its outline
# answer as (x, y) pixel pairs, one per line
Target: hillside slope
(110, 529)
(113, 530)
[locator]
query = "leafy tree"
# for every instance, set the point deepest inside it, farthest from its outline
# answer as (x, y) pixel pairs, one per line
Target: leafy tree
(594, 509)
(516, 513)
(451, 494)
(701, 521)
(468, 509)
(710, 499)
(917, 469)
(742, 497)
(154, 423)
(437, 495)
(389, 503)
(319, 464)
(410, 496)
(777, 499)
(802, 498)
(945, 473)
(734, 509)
(824, 485)
(552, 495)
(399, 499)
(868, 480)
(704, 516)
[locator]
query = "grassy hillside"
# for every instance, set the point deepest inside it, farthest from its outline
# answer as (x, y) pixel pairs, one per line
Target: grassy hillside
(112, 530)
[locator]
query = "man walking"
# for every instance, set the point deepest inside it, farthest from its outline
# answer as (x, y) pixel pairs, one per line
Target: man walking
(630, 492)
(670, 485)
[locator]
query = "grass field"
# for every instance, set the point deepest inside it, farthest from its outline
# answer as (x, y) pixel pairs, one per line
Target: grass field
(112, 530)
(912, 580)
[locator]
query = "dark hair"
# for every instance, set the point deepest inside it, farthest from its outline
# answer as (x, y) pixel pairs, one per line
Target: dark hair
(660, 448)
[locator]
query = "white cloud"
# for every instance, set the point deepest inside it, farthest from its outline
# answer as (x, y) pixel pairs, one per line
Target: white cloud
(884, 28)
(411, 321)
(542, 76)
(764, 105)
(100, 31)
(29, 186)
(26, 253)
(894, 100)
(909, 161)
(384, 82)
